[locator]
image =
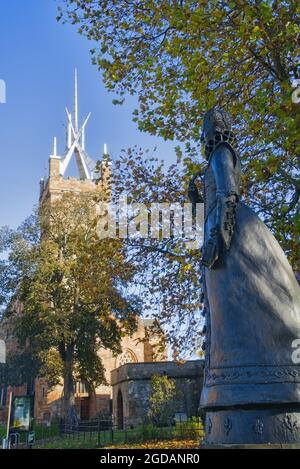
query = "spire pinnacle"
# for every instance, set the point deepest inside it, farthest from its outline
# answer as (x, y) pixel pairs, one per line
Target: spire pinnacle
(54, 147)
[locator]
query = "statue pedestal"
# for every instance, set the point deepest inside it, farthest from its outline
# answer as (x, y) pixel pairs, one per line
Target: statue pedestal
(272, 426)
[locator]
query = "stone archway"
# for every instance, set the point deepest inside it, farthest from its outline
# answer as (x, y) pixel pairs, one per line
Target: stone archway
(120, 410)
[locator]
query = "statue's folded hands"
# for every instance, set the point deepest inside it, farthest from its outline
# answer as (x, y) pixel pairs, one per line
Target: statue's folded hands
(212, 248)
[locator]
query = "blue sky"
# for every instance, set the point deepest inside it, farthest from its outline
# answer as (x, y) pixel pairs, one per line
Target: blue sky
(37, 61)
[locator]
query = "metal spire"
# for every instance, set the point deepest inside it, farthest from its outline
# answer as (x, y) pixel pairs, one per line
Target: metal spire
(76, 143)
(76, 102)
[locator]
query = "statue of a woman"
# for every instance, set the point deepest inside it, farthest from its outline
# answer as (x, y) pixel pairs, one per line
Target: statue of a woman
(251, 390)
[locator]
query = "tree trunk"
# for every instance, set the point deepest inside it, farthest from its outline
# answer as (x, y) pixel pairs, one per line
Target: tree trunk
(70, 415)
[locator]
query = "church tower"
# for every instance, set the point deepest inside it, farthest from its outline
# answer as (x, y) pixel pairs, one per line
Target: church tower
(92, 177)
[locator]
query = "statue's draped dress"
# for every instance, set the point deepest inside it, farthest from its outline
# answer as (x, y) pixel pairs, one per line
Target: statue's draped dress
(253, 316)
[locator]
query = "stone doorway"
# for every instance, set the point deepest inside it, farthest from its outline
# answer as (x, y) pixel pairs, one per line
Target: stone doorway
(120, 411)
(85, 408)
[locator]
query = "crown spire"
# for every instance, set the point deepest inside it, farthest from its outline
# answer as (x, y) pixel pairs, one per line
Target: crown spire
(75, 144)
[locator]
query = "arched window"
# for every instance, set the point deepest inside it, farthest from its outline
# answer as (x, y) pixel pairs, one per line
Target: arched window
(127, 356)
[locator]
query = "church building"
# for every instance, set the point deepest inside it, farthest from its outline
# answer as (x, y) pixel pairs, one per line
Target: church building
(139, 347)
(125, 397)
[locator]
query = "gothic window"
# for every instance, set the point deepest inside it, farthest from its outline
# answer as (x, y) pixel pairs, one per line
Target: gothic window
(126, 357)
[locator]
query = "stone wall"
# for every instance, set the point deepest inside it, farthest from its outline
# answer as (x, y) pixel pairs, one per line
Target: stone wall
(131, 384)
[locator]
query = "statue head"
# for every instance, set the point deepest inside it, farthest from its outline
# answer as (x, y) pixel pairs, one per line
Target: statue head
(217, 125)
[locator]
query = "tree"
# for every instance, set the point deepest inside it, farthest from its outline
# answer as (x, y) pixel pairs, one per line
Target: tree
(167, 271)
(71, 286)
(181, 57)
(161, 401)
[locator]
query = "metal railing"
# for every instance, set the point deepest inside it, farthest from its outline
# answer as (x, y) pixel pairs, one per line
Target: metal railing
(104, 432)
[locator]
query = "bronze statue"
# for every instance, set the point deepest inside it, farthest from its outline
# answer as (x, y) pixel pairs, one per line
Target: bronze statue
(251, 391)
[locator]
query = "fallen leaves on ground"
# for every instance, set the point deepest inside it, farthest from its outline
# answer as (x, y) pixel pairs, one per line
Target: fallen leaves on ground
(164, 444)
